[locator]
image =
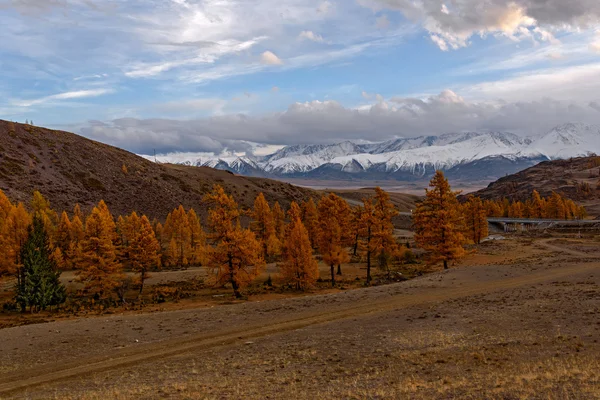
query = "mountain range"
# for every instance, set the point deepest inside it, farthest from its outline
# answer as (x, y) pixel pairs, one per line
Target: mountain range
(471, 156)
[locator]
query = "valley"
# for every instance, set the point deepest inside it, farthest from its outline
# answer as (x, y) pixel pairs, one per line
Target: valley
(501, 324)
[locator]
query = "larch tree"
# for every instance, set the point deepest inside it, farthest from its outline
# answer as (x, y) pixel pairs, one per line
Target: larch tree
(41, 209)
(475, 220)
(279, 220)
(310, 219)
(344, 220)
(438, 222)
(330, 239)
(197, 238)
(263, 223)
(384, 212)
(299, 269)
(236, 254)
(366, 230)
(98, 267)
(177, 236)
(144, 250)
(13, 236)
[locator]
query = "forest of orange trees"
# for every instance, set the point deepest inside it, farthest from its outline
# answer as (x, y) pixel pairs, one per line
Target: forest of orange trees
(36, 243)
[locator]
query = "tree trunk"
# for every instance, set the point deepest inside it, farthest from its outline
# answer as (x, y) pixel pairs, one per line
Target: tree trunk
(445, 264)
(369, 257)
(339, 270)
(234, 284)
(332, 276)
(355, 245)
(142, 279)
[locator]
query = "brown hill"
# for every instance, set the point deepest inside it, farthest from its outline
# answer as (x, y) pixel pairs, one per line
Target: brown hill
(576, 178)
(70, 169)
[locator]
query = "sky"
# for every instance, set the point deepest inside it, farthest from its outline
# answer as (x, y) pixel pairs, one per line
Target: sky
(209, 75)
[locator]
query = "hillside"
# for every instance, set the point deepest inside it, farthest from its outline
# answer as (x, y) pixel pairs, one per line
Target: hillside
(70, 169)
(576, 178)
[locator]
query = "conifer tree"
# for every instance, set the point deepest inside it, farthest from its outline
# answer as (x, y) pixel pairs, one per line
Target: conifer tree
(235, 252)
(41, 208)
(330, 239)
(38, 285)
(438, 223)
(279, 220)
(367, 228)
(263, 223)
(78, 213)
(310, 219)
(144, 250)
(13, 236)
(476, 220)
(177, 235)
(98, 266)
(197, 238)
(384, 212)
(299, 268)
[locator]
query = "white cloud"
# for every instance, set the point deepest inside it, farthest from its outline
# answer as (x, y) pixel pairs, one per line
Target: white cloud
(275, 89)
(329, 121)
(310, 35)
(63, 96)
(269, 58)
(452, 24)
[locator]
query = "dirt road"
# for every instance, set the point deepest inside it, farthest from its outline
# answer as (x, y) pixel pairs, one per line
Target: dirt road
(295, 314)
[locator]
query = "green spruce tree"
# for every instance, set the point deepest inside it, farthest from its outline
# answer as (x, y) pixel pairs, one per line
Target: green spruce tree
(39, 286)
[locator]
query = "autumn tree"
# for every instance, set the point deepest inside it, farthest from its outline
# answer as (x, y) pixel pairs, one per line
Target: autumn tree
(236, 254)
(310, 219)
(197, 238)
(177, 238)
(366, 228)
(299, 268)
(144, 250)
(41, 209)
(384, 212)
(330, 238)
(278, 220)
(438, 222)
(13, 236)
(98, 267)
(263, 223)
(475, 220)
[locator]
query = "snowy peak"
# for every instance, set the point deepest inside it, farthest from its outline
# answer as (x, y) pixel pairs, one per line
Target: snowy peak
(416, 156)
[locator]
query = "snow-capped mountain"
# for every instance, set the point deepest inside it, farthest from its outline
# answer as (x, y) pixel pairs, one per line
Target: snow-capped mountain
(473, 155)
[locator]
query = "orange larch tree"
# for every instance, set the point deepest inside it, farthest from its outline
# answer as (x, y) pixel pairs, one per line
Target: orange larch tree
(98, 267)
(384, 212)
(330, 239)
(366, 229)
(279, 220)
(299, 268)
(310, 219)
(144, 250)
(475, 220)
(13, 236)
(438, 222)
(197, 239)
(263, 223)
(41, 208)
(236, 254)
(177, 237)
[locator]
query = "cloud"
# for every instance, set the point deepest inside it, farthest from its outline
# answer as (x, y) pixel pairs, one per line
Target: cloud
(382, 22)
(451, 25)
(325, 7)
(269, 58)
(275, 89)
(329, 121)
(310, 35)
(63, 96)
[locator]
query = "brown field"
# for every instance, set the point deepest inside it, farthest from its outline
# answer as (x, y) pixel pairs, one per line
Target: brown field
(518, 319)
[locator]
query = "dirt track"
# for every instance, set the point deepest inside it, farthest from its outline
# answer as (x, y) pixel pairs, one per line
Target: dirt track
(248, 322)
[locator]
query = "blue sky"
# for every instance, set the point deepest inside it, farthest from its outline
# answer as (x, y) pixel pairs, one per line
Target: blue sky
(201, 75)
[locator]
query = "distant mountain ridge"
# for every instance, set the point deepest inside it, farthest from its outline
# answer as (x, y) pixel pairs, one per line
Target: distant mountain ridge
(468, 155)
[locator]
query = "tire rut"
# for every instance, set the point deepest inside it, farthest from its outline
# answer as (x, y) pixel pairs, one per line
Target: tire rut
(18, 381)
